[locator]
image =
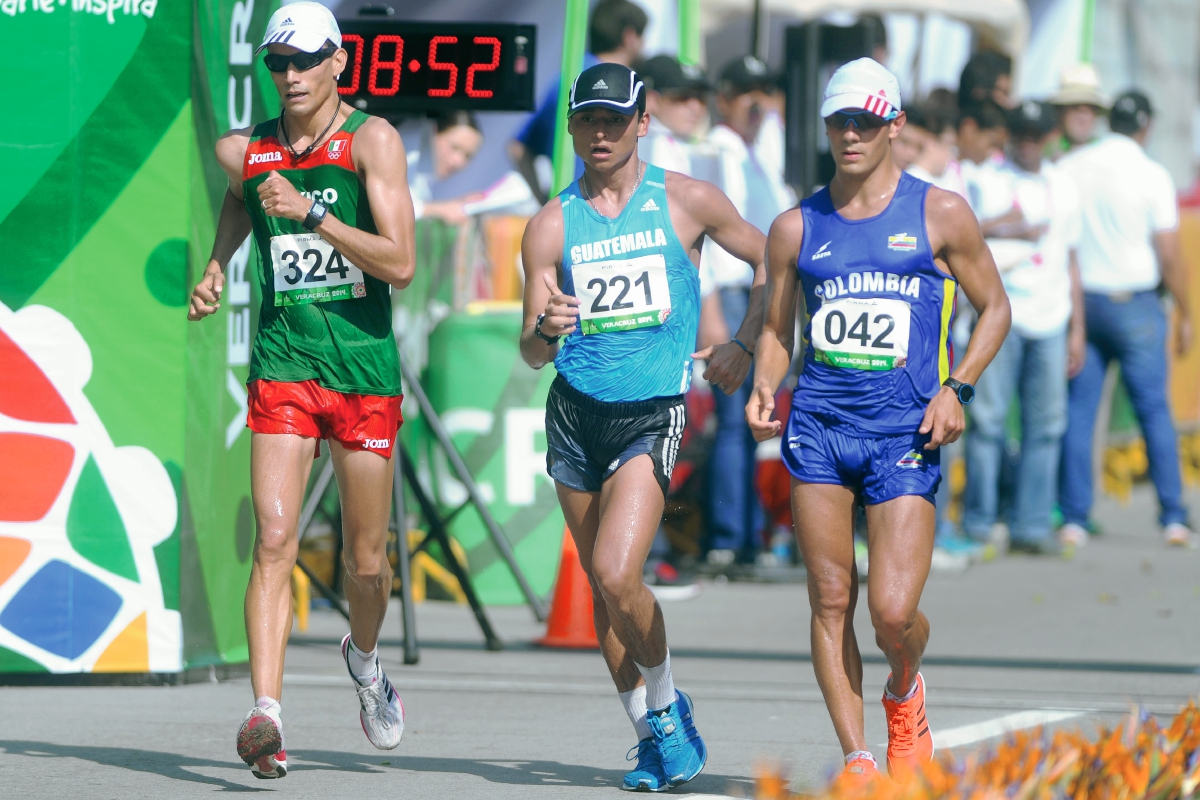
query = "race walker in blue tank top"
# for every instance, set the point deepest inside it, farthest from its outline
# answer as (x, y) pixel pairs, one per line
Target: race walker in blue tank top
(623, 372)
(639, 297)
(878, 347)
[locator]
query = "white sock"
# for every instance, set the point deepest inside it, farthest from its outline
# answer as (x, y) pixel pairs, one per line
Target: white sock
(268, 704)
(362, 665)
(887, 687)
(860, 754)
(635, 706)
(660, 688)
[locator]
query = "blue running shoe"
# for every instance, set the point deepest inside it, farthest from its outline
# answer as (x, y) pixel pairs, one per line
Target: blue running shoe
(648, 775)
(680, 747)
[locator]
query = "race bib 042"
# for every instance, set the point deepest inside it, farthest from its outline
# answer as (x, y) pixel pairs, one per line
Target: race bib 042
(309, 270)
(867, 334)
(622, 295)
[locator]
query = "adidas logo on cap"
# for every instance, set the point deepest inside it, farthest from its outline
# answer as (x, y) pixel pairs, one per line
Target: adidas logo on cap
(287, 21)
(600, 84)
(650, 205)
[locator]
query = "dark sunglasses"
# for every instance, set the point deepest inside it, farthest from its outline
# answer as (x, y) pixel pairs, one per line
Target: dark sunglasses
(863, 120)
(302, 61)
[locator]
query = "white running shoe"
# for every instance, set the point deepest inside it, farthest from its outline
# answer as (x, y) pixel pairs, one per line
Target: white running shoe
(1072, 535)
(1178, 535)
(382, 714)
(260, 743)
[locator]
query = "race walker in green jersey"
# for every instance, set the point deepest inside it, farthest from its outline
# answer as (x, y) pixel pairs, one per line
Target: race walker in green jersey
(324, 190)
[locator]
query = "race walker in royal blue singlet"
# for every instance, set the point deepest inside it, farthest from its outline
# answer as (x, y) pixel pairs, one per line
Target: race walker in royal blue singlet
(622, 374)
(878, 347)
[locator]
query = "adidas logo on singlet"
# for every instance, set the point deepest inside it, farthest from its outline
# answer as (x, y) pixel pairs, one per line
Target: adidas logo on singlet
(265, 158)
(600, 84)
(650, 205)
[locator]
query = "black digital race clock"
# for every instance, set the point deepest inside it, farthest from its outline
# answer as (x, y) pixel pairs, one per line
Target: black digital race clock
(428, 66)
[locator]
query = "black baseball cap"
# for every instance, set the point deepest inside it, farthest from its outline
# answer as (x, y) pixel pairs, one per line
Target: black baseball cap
(1032, 119)
(608, 85)
(745, 75)
(665, 74)
(1130, 112)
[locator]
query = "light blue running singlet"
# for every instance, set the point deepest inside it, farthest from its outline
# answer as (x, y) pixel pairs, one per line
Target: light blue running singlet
(639, 296)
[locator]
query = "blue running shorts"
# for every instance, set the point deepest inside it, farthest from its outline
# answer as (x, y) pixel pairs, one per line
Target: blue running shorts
(880, 467)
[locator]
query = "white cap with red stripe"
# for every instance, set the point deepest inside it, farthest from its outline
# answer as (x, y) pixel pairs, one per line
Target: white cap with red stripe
(862, 85)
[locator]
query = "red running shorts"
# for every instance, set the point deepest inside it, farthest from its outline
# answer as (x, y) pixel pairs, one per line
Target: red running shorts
(305, 408)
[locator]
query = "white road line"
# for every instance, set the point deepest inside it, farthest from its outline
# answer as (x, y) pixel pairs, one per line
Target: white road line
(988, 729)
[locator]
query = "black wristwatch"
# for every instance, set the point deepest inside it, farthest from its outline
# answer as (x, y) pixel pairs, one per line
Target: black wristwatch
(316, 215)
(965, 391)
(537, 331)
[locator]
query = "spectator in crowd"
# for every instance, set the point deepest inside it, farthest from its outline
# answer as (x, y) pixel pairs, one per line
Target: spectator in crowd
(677, 102)
(928, 141)
(770, 146)
(1079, 103)
(455, 140)
(1128, 247)
(614, 35)
(758, 193)
(982, 132)
(987, 76)
(1034, 247)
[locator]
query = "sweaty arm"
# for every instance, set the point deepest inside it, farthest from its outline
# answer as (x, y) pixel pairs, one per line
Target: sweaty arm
(958, 245)
(773, 355)
(389, 255)
(541, 256)
(233, 226)
(728, 363)
(1174, 275)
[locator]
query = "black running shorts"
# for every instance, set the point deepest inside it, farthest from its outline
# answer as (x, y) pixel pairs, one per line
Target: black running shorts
(588, 440)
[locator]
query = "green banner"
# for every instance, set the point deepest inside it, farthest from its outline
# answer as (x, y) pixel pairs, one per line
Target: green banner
(95, 153)
(494, 407)
(230, 89)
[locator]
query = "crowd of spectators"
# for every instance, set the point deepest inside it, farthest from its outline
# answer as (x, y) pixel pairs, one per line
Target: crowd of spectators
(1080, 221)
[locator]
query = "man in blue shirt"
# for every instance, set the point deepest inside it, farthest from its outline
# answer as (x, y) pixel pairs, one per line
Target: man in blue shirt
(614, 35)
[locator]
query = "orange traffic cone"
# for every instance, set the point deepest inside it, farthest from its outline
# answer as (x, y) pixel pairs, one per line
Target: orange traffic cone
(570, 623)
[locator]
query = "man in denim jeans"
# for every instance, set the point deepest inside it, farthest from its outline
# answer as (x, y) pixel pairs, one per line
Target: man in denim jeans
(1033, 243)
(759, 195)
(1128, 247)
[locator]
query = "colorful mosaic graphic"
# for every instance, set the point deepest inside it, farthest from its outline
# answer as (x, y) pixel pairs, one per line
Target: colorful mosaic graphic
(79, 517)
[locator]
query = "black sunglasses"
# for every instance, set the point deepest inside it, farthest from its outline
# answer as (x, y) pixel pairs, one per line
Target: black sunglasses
(302, 61)
(859, 119)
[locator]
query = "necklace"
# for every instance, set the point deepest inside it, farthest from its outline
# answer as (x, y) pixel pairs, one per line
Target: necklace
(587, 195)
(287, 140)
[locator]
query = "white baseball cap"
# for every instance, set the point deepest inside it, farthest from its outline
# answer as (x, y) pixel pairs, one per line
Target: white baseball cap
(862, 85)
(304, 25)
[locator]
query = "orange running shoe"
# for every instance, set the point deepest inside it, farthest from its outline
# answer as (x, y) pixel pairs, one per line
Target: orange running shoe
(860, 772)
(910, 744)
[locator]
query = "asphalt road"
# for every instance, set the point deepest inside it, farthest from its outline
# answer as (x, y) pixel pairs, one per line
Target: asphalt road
(1016, 642)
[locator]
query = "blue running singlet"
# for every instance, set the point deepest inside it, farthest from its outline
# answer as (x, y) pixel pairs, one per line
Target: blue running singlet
(878, 333)
(639, 297)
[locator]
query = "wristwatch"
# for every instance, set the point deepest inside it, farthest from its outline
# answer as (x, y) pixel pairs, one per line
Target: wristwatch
(316, 215)
(965, 391)
(537, 331)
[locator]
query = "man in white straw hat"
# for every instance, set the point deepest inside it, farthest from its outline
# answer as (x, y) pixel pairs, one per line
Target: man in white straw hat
(1080, 102)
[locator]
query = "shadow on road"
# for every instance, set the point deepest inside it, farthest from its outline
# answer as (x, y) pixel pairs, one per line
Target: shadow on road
(519, 773)
(168, 765)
